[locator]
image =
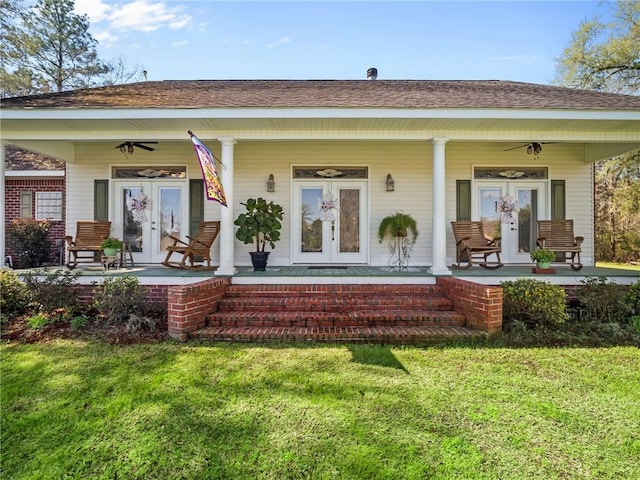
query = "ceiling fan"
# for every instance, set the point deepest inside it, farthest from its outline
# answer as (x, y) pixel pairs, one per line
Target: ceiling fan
(127, 147)
(533, 148)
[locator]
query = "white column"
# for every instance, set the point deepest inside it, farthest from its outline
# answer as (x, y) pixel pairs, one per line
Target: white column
(3, 251)
(439, 217)
(227, 229)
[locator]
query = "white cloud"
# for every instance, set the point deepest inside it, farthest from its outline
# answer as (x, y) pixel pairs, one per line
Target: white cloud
(110, 20)
(282, 41)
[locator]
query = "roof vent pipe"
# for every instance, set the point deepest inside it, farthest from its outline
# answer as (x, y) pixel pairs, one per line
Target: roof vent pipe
(372, 74)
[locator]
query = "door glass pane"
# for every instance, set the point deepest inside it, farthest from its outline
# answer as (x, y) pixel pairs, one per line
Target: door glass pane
(170, 215)
(310, 220)
(132, 220)
(490, 218)
(527, 218)
(349, 220)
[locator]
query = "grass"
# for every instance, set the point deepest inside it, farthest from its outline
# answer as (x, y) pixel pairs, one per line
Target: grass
(84, 410)
(624, 266)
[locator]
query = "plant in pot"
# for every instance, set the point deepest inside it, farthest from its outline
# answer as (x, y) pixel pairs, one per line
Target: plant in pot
(259, 224)
(543, 257)
(110, 246)
(401, 230)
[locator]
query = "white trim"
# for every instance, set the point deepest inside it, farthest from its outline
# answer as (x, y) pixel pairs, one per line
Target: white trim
(327, 112)
(34, 173)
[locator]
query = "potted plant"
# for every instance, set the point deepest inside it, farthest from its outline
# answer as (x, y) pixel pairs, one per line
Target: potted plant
(259, 224)
(542, 257)
(401, 230)
(110, 246)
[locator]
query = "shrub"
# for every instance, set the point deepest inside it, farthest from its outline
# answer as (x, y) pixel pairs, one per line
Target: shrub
(119, 298)
(78, 322)
(602, 301)
(533, 303)
(632, 298)
(51, 291)
(15, 297)
(30, 239)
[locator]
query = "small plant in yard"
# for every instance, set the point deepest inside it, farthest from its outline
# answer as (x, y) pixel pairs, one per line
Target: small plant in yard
(123, 300)
(533, 303)
(542, 255)
(40, 320)
(50, 291)
(78, 322)
(15, 297)
(602, 301)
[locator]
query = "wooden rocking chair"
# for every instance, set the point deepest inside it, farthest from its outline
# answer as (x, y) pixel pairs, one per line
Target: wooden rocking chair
(557, 236)
(89, 236)
(197, 250)
(473, 247)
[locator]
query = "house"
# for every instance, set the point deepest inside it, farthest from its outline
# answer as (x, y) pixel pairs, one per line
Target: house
(439, 150)
(34, 187)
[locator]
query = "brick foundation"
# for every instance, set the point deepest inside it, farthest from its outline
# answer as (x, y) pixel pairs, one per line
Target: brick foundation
(188, 305)
(481, 304)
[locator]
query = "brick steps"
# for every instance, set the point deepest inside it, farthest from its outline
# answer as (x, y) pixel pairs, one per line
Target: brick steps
(353, 334)
(389, 314)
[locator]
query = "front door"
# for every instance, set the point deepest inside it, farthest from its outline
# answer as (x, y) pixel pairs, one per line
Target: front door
(146, 213)
(510, 210)
(330, 222)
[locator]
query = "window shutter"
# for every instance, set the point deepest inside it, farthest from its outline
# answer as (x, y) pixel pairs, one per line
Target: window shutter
(101, 200)
(196, 205)
(463, 200)
(557, 200)
(26, 204)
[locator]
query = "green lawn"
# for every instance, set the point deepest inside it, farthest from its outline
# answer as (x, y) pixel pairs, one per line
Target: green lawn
(195, 411)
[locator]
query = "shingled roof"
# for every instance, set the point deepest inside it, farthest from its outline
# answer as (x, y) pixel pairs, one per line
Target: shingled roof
(17, 159)
(329, 94)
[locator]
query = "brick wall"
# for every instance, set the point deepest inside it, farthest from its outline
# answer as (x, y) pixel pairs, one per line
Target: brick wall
(12, 207)
(188, 305)
(481, 304)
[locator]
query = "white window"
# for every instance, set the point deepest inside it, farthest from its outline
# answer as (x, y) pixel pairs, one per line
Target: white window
(49, 206)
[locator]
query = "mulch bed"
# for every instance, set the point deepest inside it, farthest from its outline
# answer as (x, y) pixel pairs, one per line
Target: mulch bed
(96, 329)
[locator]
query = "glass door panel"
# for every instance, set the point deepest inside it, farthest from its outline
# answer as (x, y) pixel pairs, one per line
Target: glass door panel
(146, 213)
(329, 235)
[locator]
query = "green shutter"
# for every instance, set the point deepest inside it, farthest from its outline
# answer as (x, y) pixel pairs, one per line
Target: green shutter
(558, 200)
(26, 204)
(463, 200)
(196, 204)
(101, 200)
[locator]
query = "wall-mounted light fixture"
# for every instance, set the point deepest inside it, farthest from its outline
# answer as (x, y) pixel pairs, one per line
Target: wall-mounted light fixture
(391, 185)
(271, 183)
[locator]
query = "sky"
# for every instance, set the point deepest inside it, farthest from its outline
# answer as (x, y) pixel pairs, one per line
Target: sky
(336, 40)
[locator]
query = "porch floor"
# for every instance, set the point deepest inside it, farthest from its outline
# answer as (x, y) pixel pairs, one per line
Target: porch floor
(161, 275)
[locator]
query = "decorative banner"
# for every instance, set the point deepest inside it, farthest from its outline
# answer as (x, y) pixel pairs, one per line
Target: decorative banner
(327, 205)
(506, 207)
(213, 187)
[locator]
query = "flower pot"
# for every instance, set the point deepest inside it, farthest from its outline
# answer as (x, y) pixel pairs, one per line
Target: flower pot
(110, 252)
(543, 264)
(259, 260)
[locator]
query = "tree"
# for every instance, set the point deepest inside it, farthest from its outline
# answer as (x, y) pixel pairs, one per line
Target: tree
(48, 48)
(605, 56)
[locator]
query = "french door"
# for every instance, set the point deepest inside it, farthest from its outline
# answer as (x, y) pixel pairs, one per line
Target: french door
(146, 213)
(510, 210)
(330, 223)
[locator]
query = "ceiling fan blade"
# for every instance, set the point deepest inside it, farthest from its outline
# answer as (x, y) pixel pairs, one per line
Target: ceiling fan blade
(144, 147)
(121, 145)
(515, 148)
